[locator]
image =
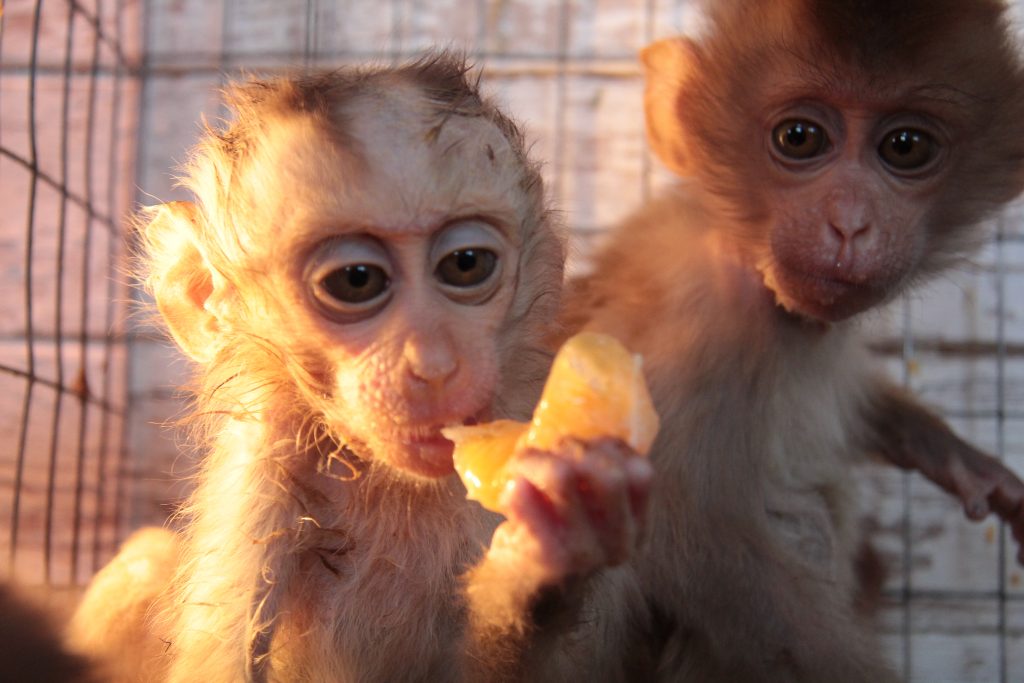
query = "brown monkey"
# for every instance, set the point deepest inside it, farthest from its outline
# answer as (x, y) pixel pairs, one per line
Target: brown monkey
(370, 259)
(835, 153)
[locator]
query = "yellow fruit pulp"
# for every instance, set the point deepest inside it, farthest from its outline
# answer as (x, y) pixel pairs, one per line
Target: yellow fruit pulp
(481, 453)
(595, 389)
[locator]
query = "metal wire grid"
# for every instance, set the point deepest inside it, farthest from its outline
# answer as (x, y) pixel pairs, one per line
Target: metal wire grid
(1000, 350)
(65, 481)
(561, 64)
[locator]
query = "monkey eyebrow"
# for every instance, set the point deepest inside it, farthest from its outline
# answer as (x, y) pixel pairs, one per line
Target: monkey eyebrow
(946, 94)
(329, 225)
(828, 78)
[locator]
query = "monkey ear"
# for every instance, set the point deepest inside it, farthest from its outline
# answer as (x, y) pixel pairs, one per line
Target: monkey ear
(181, 279)
(667, 63)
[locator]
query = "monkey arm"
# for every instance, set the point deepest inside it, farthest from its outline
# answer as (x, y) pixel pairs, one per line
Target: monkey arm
(569, 514)
(912, 437)
(512, 611)
(114, 623)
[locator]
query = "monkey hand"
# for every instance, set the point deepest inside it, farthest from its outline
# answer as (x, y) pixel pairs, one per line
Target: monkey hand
(572, 511)
(984, 485)
(912, 437)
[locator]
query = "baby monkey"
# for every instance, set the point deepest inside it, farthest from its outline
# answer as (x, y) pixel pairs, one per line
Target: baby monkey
(369, 259)
(835, 153)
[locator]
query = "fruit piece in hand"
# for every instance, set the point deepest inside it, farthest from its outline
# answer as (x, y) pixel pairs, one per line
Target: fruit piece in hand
(595, 390)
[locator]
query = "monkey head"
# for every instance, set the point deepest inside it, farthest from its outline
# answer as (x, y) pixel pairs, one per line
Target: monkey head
(855, 150)
(364, 250)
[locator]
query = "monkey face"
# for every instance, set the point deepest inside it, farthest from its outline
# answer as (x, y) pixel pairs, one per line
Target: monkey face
(413, 324)
(851, 151)
(849, 213)
(392, 272)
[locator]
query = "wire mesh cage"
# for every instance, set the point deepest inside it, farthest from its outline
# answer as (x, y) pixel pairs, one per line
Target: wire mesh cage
(68, 89)
(99, 101)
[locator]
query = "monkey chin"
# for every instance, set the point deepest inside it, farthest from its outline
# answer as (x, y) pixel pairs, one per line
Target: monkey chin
(819, 298)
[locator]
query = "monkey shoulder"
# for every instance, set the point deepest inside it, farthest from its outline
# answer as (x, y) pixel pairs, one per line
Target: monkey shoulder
(653, 272)
(119, 619)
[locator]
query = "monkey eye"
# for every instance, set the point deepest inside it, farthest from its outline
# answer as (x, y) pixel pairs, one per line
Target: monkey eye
(348, 277)
(467, 257)
(354, 284)
(800, 139)
(467, 267)
(908, 149)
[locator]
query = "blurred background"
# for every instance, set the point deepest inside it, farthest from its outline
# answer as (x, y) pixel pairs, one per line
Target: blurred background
(100, 101)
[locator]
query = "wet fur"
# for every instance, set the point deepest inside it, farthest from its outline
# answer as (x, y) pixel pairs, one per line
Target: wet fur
(299, 560)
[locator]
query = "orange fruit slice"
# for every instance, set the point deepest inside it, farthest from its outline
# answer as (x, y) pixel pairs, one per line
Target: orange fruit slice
(595, 389)
(481, 453)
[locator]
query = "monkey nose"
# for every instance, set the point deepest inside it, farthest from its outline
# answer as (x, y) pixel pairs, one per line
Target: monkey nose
(848, 231)
(431, 358)
(848, 215)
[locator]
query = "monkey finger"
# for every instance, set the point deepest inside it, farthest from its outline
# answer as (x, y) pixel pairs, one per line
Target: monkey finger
(1017, 530)
(1007, 500)
(557, 475)
(971, 488)
(1012, 513)
(552, 484)
(1010, 508)
(633, 475)
(610, 449)
(620, 478)
(605, 498)
(639, 476)
(586, 484)
(535, 528)
(551, 474)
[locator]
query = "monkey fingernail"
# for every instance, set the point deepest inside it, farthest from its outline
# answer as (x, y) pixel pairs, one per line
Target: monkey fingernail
(977, 510)
(639, 472)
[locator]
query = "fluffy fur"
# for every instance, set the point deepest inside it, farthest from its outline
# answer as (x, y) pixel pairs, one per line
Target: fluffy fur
(763, 386)
(306, 555)
(747, 574)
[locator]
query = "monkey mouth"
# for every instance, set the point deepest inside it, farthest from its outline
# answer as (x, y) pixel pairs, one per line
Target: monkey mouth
(425, 452)
(821, 297)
